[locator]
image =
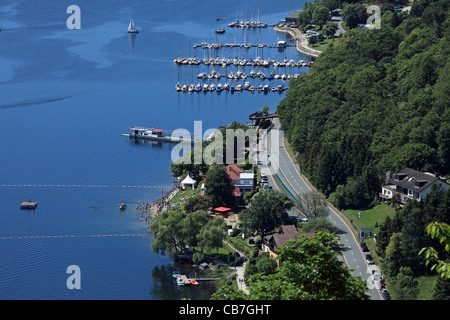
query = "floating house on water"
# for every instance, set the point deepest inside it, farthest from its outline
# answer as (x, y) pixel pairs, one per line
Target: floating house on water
(156, 134)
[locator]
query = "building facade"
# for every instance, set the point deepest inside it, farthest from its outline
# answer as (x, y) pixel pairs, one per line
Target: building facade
(410, 184)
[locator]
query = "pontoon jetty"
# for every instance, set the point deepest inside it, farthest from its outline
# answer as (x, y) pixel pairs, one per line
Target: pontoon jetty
(28, 204)
(156, 134)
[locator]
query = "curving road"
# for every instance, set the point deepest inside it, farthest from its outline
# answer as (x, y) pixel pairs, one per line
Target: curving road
(284, 175)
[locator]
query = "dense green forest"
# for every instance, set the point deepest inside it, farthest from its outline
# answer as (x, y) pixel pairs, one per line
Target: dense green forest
(375, 100)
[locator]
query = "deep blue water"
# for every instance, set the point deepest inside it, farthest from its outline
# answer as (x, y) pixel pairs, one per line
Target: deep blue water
(65, 98)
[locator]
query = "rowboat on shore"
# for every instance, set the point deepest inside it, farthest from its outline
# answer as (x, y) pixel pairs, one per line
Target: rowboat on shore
(194, 282)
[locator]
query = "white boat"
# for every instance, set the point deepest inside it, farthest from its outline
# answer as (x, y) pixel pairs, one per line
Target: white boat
(178, 86)
(132, 27)
(281, 44)
(180, 281)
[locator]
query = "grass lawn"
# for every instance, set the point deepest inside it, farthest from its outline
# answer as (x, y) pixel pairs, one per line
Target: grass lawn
(321, 46)
(426, 287)
(180, 197)
(370, 218)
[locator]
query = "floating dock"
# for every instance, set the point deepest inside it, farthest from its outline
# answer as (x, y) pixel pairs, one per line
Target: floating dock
(28, 205)
(157, 135)
(187, 281)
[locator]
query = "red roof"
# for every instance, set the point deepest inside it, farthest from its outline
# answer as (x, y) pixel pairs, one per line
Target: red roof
(222, 209)
(157, 130)
(234, 171)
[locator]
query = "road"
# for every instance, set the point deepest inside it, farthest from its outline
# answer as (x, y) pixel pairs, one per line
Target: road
(289, 181)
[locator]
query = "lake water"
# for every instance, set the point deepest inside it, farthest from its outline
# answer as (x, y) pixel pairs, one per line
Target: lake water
(66, 96)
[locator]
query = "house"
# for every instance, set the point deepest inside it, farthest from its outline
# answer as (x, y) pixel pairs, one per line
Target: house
(243, 181)
(410, 184)
(292, 16)
(273, 242)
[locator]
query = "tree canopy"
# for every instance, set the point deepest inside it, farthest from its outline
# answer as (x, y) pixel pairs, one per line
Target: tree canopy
(376, 100)
(266, 211)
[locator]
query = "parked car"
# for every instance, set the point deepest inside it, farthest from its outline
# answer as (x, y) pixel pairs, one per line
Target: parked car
(385, 294)
(303, 220)
(369, 259)
(365, 249)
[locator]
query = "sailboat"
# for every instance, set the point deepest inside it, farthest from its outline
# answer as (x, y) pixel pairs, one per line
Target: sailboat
(132, 27)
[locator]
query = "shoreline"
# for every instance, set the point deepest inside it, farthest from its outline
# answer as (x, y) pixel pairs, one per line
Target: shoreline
(300, 41)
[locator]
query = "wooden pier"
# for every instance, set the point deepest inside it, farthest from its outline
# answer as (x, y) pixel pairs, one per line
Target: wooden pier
(187, 281)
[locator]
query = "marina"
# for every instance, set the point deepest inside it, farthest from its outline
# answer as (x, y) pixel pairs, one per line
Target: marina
(257, 62)
(205, 88)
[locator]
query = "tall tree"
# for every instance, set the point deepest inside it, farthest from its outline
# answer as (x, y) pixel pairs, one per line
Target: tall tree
(219, 186)
(353, 14)
(314, 204)
(266, 211)
(320, 15)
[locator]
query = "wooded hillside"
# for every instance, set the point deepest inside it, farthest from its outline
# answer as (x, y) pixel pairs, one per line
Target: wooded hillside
(376, 100)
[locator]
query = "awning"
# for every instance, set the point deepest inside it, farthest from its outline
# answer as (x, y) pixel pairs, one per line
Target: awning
(222, 209)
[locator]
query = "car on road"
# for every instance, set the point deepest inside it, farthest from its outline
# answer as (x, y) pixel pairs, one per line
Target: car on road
(385, 294)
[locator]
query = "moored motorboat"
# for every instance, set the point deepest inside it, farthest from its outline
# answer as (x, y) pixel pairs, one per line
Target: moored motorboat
(180, 281)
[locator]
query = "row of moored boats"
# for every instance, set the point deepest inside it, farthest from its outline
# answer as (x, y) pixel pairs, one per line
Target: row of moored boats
(248, 24)
(241, 75)
(258, 62)
(205, 87)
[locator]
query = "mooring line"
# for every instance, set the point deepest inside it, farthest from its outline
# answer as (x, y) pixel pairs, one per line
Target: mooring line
(78, 236)
(82, 185)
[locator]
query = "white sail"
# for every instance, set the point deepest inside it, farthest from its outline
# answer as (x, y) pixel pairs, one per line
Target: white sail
(132, 27)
